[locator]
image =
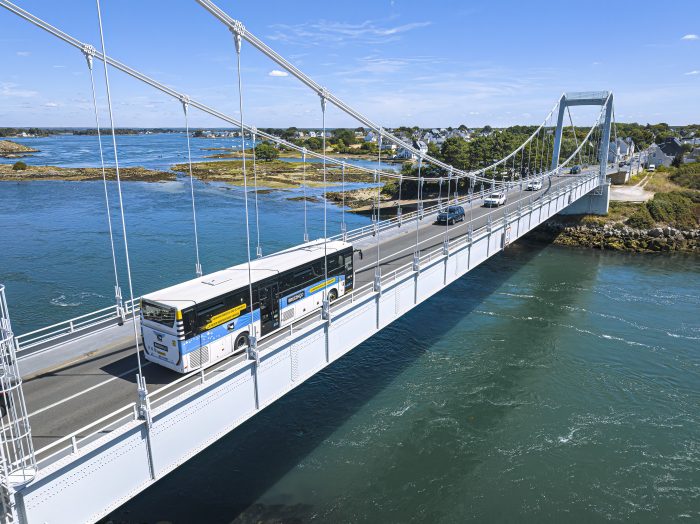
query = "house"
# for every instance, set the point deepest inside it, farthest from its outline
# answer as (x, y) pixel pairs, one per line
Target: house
(422, 147)
(656, 156)
(664, 153)
(370, 137)
(299, 134)
(312, 134)
(621, 150)
(388, 146)
(693, 156)
(405, 154)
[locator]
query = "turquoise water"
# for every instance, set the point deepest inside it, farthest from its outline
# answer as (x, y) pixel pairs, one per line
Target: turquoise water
(547, 385)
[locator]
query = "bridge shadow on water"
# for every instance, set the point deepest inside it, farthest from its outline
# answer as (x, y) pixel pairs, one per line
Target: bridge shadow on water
(225, 481)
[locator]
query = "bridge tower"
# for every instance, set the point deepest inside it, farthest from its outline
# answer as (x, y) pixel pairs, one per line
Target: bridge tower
(598, 200)
(17, 461)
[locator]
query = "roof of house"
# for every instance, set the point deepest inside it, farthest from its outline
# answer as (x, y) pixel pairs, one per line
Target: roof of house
(215, 284)
(671, 147)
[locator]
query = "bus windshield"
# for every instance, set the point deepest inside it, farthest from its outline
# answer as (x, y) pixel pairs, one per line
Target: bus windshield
(157, 313)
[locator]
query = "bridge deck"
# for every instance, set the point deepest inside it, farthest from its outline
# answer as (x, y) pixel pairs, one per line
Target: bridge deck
(75, 393)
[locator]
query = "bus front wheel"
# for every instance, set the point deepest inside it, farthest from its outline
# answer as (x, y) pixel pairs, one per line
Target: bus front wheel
(241, 343)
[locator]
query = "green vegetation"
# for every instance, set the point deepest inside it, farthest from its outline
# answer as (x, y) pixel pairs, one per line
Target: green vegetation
(266, 152)
(19, 166)
(672, 208)
(641, 218)
(687, 175)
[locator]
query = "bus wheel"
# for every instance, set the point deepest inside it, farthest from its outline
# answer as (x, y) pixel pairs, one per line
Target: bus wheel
(332, 295)
(241, 343)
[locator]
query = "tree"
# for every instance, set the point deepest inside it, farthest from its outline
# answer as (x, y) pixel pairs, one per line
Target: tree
(266, 152)
(678, 160)
(19, 166)
(346, 135)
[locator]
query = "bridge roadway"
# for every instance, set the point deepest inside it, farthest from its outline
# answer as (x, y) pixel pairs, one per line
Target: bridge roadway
(74, 394)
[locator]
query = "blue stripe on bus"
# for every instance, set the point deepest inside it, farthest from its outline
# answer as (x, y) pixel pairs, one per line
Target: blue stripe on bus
(187, 346)
(307, 290)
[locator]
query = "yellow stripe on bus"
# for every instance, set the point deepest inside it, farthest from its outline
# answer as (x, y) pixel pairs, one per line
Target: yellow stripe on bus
(322, 285)
(225, 316)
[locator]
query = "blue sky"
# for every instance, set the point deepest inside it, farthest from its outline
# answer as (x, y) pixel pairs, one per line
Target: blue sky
(400, 62)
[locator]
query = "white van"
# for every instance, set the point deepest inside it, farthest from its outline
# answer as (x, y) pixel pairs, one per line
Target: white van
(651, 168)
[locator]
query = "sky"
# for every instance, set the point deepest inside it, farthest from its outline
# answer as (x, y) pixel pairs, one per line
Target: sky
(400, 62)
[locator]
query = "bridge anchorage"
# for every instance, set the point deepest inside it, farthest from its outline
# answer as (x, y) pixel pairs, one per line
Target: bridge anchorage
(272, 333)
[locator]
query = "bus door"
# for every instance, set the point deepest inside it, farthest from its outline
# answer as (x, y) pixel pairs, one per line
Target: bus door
(269, 307)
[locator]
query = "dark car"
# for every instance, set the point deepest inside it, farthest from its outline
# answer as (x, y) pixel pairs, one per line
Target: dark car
(450, 215)
(576, 170)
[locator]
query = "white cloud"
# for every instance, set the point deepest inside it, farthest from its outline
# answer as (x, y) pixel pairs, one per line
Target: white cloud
(691, 73)
(10, 89)
(59, 67)
(691, 37)
(277, 72)
(23, 53)
(51, 104)
(326, 31)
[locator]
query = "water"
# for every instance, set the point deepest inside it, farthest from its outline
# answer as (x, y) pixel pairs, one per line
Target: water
(156, 151)
(546, 385)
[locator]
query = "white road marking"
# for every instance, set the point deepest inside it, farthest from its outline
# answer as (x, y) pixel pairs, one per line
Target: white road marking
(76, 395)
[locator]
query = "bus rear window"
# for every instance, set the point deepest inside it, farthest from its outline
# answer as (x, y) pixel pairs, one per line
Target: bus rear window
(156, 313)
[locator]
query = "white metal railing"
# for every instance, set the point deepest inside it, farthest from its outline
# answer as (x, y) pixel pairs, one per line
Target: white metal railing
(74, 441)
(61, 332)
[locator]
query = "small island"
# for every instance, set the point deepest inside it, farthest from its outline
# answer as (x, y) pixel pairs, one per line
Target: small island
(10, 149)
(21, 172)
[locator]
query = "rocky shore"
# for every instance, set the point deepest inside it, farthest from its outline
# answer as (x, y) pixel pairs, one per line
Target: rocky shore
(10, 149)
(31, 173)
(617, 237)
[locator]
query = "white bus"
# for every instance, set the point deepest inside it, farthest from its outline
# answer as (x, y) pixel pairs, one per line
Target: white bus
(202, 321)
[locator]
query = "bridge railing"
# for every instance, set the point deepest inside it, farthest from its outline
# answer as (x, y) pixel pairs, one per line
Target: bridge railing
(47, 337)
(74, 441)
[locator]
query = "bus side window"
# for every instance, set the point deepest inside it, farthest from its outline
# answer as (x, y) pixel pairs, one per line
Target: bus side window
(205, 314)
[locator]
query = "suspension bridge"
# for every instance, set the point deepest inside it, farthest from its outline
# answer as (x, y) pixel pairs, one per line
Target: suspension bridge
(78, 442)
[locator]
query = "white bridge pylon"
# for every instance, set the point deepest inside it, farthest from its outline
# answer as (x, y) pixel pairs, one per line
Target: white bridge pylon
(93, 469)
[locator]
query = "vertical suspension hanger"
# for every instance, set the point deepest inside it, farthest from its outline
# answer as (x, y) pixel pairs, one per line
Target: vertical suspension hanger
(378, 176)
(343, 226)
(325, 309)
(258, 247)
(303, 185)
(89, 52)
(185, 106)
(253, 336)
(446, 241)
(144, 402)
(416, 251)
(398, 210)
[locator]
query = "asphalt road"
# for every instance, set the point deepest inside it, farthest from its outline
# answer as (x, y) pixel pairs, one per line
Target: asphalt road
(74, 395)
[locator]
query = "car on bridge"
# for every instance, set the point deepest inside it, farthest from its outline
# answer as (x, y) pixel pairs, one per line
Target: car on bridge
(534, 185)
(576, 170)
(495, 199)
(450, 215)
